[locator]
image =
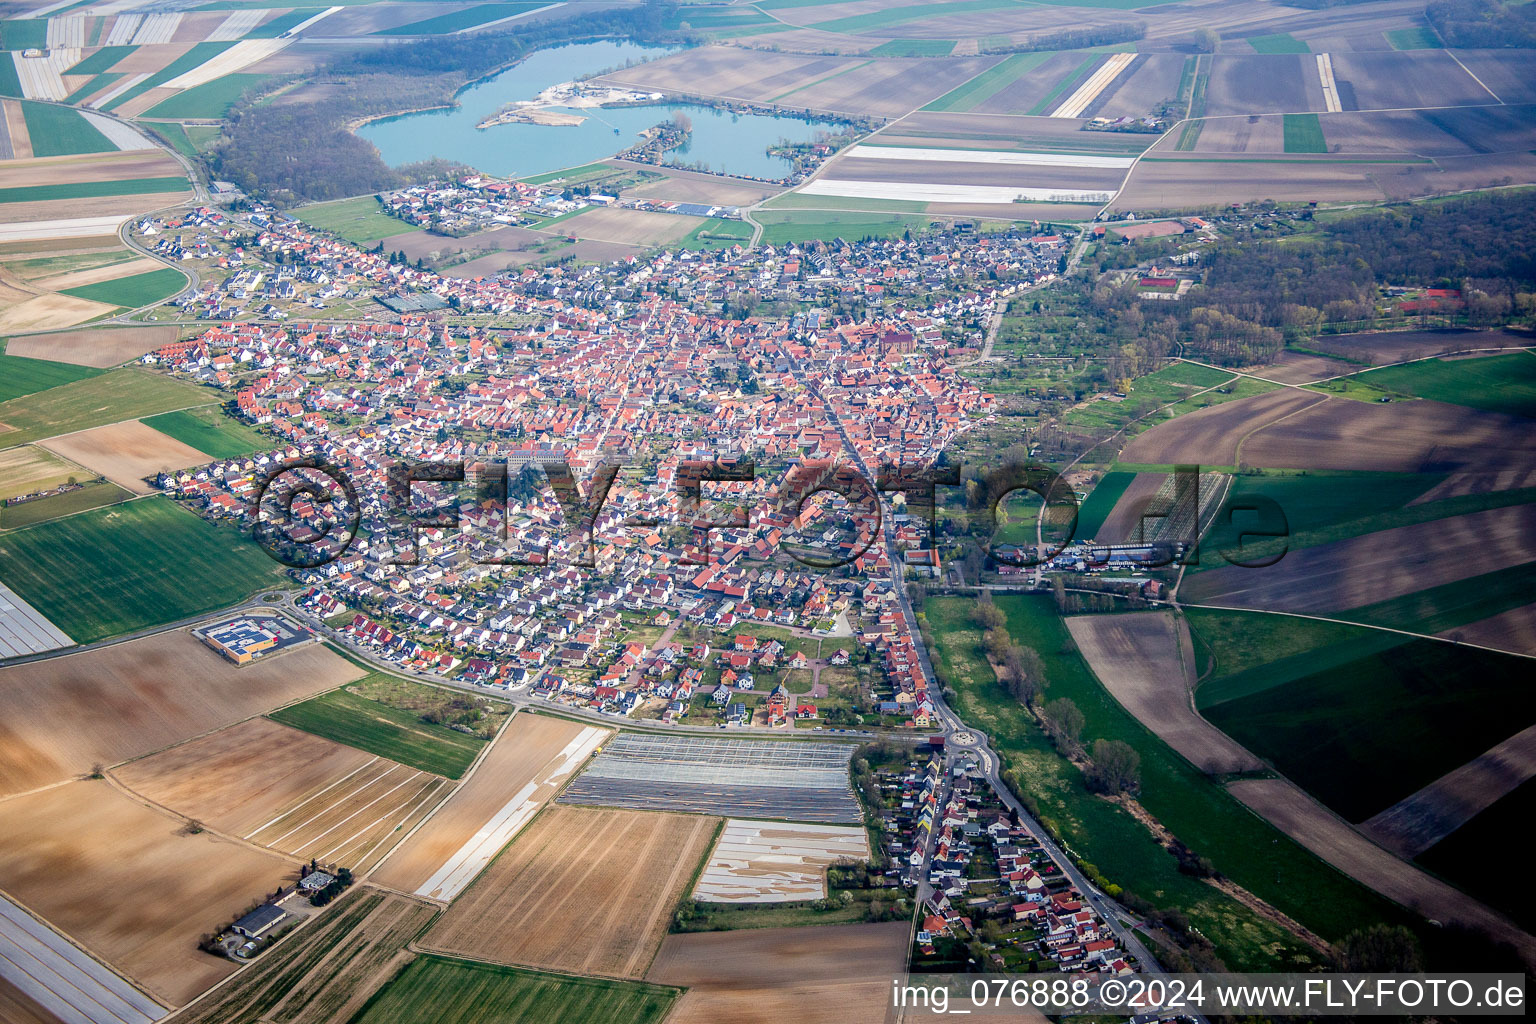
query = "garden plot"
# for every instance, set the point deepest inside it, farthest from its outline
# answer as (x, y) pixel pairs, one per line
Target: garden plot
(770, 862)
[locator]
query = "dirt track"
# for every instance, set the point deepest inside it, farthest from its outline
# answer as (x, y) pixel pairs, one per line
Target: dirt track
(581, 890)
(1313, 826)
(1146, 661)
(1415, 823)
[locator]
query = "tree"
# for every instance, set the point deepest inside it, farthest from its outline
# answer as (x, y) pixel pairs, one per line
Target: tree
(1063, 724)
(1116, 768)
(988, 615)
(1381, 948)
(1206, 40)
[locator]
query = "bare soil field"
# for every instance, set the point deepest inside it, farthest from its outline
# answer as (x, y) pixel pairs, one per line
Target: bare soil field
(329, 971)
(47, 312)
(102, 206)
(1511, 74)
(1263, 84)
(129, 453)
(1026, 91)
(1514, 630)
(151, 58)
(729, 71)
(114, 166)
(1430, 133)
(128, 883)
(27, 469)
(95, 275)
(1511, 478)
(831, 975)
(691, 187)
(522, 771)
(1417, 822)
(1302, 368)
(1331, 838)
(1151, 79)
(891, 88)
(1400, 346)
(773, 862)
(1374, 567)
(61, 717)
(289, 791)
(582, 890)
(1147, 663)
(1120, 525)
(1210, 436)
(16, 1008)
(1408, 78)
(1170, 183)
(1256, 133)
(946, 172)
(16, 129)
(629, 227)
(99, 347)
(195, 27)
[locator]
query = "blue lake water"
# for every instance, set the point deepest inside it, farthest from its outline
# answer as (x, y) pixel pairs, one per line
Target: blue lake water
(723, 141)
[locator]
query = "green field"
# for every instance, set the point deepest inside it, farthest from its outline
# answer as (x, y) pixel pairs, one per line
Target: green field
(1304, 134)
(139, 290)
(722, 234)
(1196, 808)
(1174, 383)
(10, 85)
(1491, 837)
(1412, 39)
(282, 23)
(59, 131)
(702, 18)
(119, 569)
(1363, 723)
(914, 12)
(101, 60)
(20, 376)
(92, 189)
(435, 988)
(384, 730)
(1075, 77)
(209, 101)
(23, 34)
(210, 431)
(199, 54)
(118, 395)
(1280, 42)
(1505, 383)
(989, 83)
(1437, 609)
(40, 510)
(457, 21)
(1100, 501)
(95, 85)
(788, 226)
(914, 48)
(360, 220)
(175, 134)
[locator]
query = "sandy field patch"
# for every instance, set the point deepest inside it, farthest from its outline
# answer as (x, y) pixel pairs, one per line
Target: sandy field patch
(1375, 567)
(832, 975)
(774, 862)
(59, 718)
(581, 890)
(629, 227)
(1417, 822)
(99, 347)
(115, 166)
(46, 312)
(1211, 436)
(28, 468)
(1147, 663)
(16, 128)
(127, 883)
(288, 791)
(1312, 825)
(95, 275)
(129, 454)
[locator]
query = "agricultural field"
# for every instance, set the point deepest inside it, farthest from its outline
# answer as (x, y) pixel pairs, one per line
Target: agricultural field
(526, 765)
(81, 499)
(461, 20)
(66, 716)
(28, 469)
(1100, 502)
(327, 972)
(1497, 383)
(288, 791)
(209, 431)
(1459, 858)
(98, 865)
(109, 398)
(827, 975)
(129, 454)
(769, 862)
(211, 100)
(795, 227)
(630, 227)
(380, 728)
(23, 376)
(435, 988)
(114, 570)
(581, 891)
(139, 290)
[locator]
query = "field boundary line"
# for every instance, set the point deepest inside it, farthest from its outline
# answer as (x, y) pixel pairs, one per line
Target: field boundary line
(383, 815)
(1363, 625)
(159, 808)
(428, 791)
(1469, 71)
(382, 775)
(327, 789)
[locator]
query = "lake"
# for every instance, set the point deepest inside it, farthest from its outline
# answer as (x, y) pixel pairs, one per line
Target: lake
(723, 141)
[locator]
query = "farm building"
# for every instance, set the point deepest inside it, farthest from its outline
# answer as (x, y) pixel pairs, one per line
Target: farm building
(260, 921)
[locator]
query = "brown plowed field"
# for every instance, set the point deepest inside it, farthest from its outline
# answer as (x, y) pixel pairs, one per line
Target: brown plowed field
(1329, 837)
(729, 71)
(517, 757)
(16, 1008)
(1374, 567)
(1210, 436)
(99, 347)
(1397, 346)
(287, 790)
(1147, 663)
(129, 884)
(114, 166)
(581, 890)
(1301, 368)
(60, 717)
(1514, 630)
(129, 454)
(1120, 525)
(832, 975)
(629, 227)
